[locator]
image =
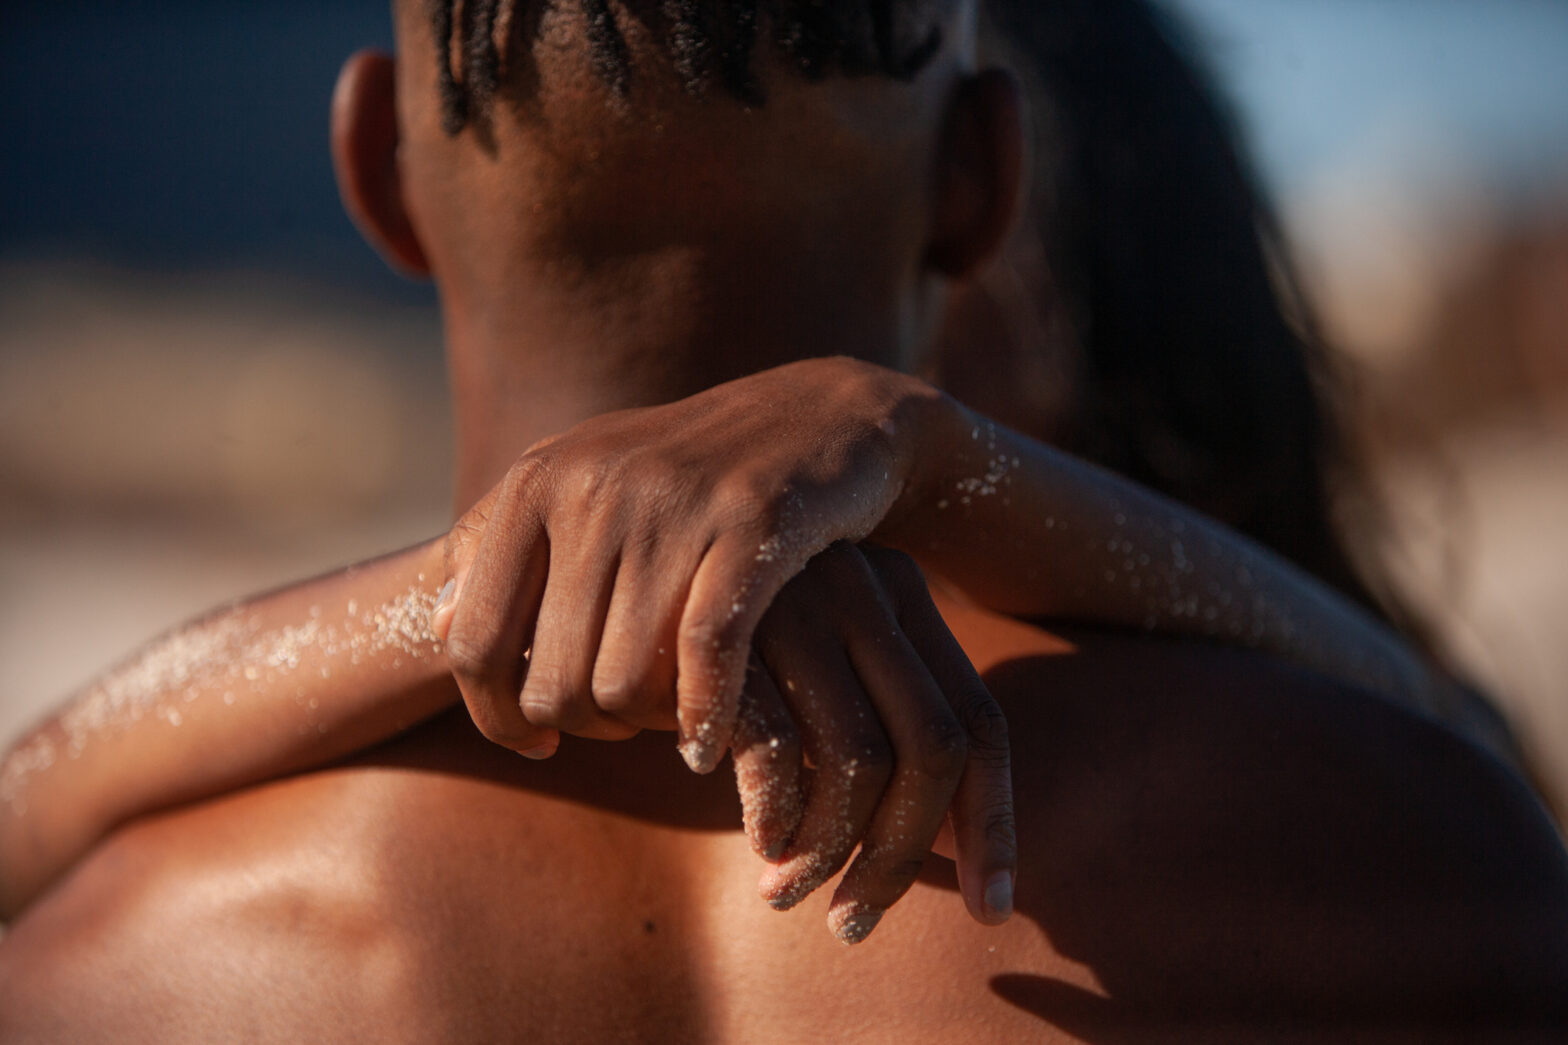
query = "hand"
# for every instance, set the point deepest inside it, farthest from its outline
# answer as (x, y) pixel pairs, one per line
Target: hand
(897, 730)
(636, 553)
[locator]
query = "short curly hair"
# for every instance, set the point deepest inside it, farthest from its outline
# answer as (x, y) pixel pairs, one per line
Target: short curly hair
(708, 41)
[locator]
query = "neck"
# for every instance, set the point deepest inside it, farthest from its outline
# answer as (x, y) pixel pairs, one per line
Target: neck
(546, 354)
(512, 387)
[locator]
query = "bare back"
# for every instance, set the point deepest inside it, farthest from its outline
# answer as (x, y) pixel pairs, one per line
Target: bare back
(1207, 841)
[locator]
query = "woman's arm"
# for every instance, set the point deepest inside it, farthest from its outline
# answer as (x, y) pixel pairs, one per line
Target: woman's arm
(282, 682)
(1024, 529)
(778, 465)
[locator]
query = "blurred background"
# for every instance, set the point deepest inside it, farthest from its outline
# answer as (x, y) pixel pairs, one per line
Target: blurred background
(208, 385)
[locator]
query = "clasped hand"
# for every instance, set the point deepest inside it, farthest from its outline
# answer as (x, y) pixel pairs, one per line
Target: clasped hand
(696, 566)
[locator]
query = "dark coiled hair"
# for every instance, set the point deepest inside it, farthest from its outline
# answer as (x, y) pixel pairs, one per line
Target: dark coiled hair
(707, 42)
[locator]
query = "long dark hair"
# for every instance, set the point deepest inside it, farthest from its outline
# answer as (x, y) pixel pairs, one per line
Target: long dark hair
(1199, 371)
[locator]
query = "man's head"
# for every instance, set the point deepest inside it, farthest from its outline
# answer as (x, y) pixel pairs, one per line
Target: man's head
(745, 179)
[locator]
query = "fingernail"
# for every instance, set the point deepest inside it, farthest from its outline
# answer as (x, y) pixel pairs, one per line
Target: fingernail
(999, 895)
(540, 753)
(700, 753)
(856, 927)
(443, 600)
(786, 896)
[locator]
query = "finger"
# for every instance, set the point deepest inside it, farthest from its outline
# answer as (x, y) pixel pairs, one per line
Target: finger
(929, 752)
(844, 742)
(984, 831)
(733, 586)
(492, 620)
(766, 751)
(557, 690)
(634, 674)
(466, 536)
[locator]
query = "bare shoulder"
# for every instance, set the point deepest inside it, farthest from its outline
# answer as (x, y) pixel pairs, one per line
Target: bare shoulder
(374, 902)
(1204, 836)
(206, 924)
(1212, 830)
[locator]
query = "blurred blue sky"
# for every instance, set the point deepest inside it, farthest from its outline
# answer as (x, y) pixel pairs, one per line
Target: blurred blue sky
(180, 133)
(1317, 79)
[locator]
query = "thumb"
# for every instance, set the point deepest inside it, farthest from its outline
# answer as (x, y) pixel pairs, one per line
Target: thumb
(462, 542)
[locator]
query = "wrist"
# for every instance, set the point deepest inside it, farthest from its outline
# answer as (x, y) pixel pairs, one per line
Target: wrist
(932, 435)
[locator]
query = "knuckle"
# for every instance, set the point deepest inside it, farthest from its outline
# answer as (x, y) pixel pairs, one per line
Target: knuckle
(463, 537)
(548, 699)
(765, 729)
(594, 485)
(771, 747)
(749, 499)
(783, 735)
(712, 633)
(620, 693)
(785, 747)
(468, 655)
(1000, 829)
(868, 759)
(986, 725)
(943, 748)
(600, 476)
(902, 874)
(882, 873)
(641, 544)
(528, 473)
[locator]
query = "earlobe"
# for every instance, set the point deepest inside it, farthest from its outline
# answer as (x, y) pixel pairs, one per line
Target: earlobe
(981, 174)
(364, 157)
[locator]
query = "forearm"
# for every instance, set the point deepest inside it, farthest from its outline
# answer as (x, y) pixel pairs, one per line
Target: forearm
(1027, 530)
(283, 682)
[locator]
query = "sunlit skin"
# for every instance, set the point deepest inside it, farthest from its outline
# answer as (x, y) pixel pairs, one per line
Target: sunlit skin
(1202, 833)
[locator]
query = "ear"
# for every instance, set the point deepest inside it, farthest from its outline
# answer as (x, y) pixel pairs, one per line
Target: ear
(980, 174)
(364, 157)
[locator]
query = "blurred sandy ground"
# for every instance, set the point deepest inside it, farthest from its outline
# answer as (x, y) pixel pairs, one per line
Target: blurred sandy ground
(167, 443)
